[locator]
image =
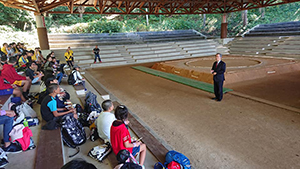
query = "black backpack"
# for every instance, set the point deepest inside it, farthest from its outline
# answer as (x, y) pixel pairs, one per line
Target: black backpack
(72, 132)
(71, 79)
(91, 103)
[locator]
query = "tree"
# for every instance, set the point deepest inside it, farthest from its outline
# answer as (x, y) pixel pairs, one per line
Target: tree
(15, 18)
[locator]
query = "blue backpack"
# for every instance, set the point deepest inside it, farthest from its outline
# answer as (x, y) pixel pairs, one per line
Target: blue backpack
(179, 158)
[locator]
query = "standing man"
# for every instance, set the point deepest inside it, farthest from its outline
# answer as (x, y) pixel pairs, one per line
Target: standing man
(218, 69)
(69, 57)
(96, 51)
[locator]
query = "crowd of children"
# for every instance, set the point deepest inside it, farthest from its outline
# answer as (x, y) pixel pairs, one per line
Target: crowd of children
(20, 68)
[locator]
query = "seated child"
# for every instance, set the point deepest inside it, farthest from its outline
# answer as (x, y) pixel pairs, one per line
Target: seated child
(49, 110)
(120, 137)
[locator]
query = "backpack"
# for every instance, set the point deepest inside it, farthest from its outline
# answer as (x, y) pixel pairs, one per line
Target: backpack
(91, 103)
(99, 153)
(174, 165)
(71, 79)
(179, 158)
(159, 165)
(82, 115)
(72, 132)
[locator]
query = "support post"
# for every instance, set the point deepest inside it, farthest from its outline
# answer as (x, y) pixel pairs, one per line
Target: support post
(42, 32)
(224, 26)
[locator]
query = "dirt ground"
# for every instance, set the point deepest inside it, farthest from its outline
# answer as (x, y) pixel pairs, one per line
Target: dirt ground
(283, 89)
(234, 133)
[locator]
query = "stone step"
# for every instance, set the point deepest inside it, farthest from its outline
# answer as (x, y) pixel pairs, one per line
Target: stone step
(74, 45)
(279, 54)
(199, 47)
(198, 44)
(83, 57)
(201, 51)
(104, 60)
(159, 59)
(194, 41)
(285, 33)
(142, 53)
(203, 54)
(103, 64)
(172, 39)
(138, 49)
(280, 29)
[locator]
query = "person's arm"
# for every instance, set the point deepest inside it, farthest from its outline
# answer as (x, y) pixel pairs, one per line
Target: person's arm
(79, 75)
(131, 145)
(56, 114)
(8, 113)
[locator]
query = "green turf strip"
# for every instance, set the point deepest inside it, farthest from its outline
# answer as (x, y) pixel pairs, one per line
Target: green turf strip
(183, 80)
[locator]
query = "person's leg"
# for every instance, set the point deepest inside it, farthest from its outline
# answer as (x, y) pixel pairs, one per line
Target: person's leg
(221, 90)
(7, 126)
(143, 150)
(216, 89)
(59, 76)
(95, 58)
(26, 85)
(99, 58)
(17, 92)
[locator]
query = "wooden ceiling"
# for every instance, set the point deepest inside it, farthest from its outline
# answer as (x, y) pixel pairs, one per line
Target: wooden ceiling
(143, 7)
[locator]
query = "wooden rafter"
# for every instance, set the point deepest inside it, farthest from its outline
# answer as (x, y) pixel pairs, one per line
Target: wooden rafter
(153, 6)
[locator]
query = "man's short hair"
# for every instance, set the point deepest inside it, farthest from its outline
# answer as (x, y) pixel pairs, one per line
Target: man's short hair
(12, 59)
(52, 87)
(78, 164)
(106, 105)
(219, 54)
(48, 81)
(31, 51)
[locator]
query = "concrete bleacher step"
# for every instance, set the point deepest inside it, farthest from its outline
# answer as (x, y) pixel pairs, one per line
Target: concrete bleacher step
(201, 51)
(156, 59)
(198, 47)
(285, 33)
(211, 53)
(142, 53)
(103, 64)
(76, 58)
(138, 49)
(102, 59)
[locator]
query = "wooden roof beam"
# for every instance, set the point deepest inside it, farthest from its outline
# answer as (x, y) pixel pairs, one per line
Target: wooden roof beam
(36, 6)
(54, 5)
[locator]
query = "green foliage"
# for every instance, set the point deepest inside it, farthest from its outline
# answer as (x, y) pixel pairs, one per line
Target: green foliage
(98, 27)
(16, 18)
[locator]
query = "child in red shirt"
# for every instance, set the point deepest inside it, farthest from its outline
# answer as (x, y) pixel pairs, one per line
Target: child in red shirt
(120, 137)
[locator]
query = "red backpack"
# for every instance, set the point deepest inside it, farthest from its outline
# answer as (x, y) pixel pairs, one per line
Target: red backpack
(174, 165)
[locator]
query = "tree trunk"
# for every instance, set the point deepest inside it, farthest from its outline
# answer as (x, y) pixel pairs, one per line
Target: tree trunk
(245, 18)
(204, 20)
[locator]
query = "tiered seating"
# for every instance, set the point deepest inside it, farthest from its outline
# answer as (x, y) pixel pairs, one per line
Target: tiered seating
(254, 45)
(289, 48)
(80, 40)
(276, 29)
(154, 52)
(85, 40)
(164, 36)
(130, 54)
(198, 48)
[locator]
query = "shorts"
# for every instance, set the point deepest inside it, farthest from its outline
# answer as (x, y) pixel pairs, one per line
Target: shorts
(6, 92)
(18, 82)
(135, 150)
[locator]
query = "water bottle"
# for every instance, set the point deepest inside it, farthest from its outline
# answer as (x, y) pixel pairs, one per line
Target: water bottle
(25, 122)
